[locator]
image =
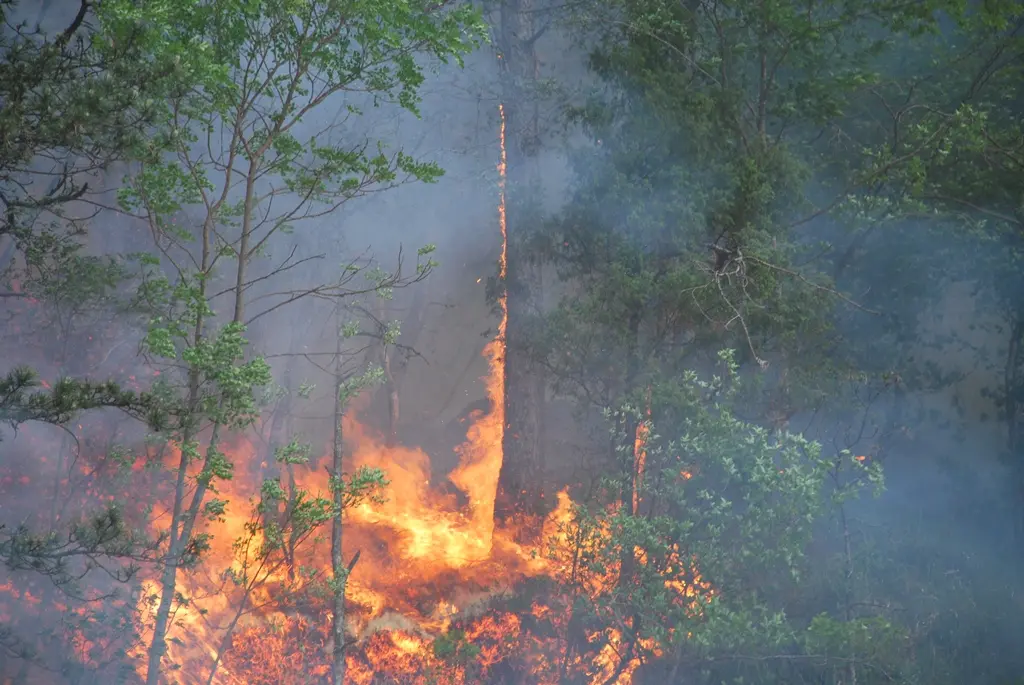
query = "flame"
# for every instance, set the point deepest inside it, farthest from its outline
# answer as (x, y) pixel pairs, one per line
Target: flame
(482, 455)
(434, 566)
(643, 430)
(427, 559)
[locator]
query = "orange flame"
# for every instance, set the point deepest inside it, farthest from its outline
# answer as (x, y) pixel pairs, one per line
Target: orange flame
(415, 547)
(640, 454)
(430, 561)
(482, 453)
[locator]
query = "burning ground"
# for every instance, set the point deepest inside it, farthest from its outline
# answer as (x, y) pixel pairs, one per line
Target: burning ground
(439, 590)
(435, 594)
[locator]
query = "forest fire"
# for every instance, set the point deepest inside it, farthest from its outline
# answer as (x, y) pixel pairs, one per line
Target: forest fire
(252, 430)
(430, 599)
(427, 560)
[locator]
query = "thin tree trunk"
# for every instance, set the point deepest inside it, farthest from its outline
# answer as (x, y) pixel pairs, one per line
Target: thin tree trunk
(851, 667)
(340, 574)
(259, 577)
(631, 445)
(182, 527)
(243, 243)
(391, 388)
(226, 640)
(179, 534)
(390, 384)
(290, 546)
(183, 520)
(1013, 389)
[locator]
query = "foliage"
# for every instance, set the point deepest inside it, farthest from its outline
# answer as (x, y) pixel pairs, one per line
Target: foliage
(20, 401)
(234, 163)
(735, 186)
(97, 540)
(683, 233)
(723, 510)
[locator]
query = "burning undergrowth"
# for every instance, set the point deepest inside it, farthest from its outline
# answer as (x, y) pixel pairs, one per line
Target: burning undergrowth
(439, 592)
(438, 589)
(428, 572)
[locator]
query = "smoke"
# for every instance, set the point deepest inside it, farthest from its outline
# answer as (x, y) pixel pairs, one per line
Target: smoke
(942, 525)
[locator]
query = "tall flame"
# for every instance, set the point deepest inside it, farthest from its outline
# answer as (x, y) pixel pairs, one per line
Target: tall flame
(482, 453)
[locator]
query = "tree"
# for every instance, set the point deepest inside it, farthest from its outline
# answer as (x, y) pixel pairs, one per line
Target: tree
(73, 106)
(961, 117)
(678, 238)
(522, 478)
(365, 484)
(725, 512)
(260, 71)
(282, 519)
(72, 554)
(940, 217)
(700, 177)
(75, 103)
(51, 85)
(695, 220)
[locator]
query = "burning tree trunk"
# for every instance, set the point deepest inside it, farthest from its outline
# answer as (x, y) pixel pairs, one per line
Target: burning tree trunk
(522, 472)
(641, 433)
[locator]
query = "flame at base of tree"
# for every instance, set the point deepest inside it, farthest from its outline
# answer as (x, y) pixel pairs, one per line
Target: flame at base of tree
(433, 598)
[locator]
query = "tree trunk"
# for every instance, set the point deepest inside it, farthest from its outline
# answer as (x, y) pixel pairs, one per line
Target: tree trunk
(163, 614)
(390, 387)
(338, 570)
(851, 666)
(633, 443)
(521, 482)
(183, 519)
(1013, 388)
(182, 526)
